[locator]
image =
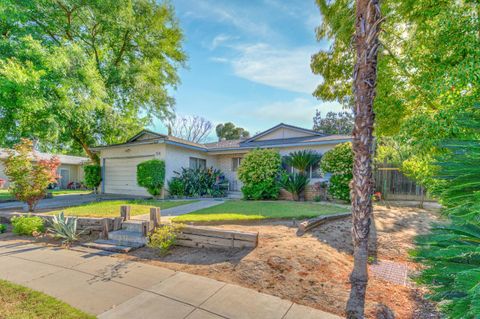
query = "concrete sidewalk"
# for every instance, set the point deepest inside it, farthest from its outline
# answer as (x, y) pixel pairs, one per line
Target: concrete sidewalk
(114, 288)
(185, 209)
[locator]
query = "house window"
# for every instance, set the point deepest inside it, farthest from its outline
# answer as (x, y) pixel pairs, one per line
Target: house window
(236, 161)
(312, 172)
(198, 163)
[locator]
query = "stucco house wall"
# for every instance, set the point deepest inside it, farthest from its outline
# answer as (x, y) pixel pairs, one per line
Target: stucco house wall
(119, 162)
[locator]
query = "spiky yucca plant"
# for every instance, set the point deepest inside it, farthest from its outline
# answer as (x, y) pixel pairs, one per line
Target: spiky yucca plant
(303, 160)
(64, 228)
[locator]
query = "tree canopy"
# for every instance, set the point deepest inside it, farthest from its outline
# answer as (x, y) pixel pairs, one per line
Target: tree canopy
(427, 73)
(229, 131)
(333, 123)
(83, 72)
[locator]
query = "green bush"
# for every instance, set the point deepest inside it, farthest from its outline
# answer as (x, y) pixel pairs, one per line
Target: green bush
(259, 172)
(176, 187)
(151, 175)
(451, 252)
(339, 162)
(27, 225)
(93, 176)
(163, 238)
(201, 182)
(3, 228)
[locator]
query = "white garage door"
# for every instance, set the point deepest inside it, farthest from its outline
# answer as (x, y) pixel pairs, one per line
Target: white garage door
(121, 175)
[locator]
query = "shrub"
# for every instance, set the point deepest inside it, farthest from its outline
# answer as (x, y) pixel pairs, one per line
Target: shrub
(295, 184)
(65, 228)
(29, 175)
(163, 238)
(302, 161)
(260, 171)
(3, 228)
(151, 175)
(200, 182)
(28, 225)
(93, 176)
(176, 187)
(339, 162)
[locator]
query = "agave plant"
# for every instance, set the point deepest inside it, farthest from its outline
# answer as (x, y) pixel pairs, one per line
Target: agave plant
(65, 228)
(295, 184)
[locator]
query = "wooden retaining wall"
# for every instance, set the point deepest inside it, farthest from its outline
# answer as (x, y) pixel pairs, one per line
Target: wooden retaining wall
(86, 224)
(197, 236)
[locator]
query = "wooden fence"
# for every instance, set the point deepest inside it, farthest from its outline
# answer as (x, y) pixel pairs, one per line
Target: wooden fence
(394, 185)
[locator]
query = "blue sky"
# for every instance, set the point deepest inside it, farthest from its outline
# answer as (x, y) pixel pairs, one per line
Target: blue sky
(249, 62)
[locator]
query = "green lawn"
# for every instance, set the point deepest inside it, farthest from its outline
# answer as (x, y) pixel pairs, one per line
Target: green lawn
(112, 208)
(4, 194)
(255, 210)
(17, 302)
(59, 192)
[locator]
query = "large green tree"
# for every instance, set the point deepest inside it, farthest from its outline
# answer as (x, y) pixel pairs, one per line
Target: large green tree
(75, 73)
(229, 131)
(428, 71)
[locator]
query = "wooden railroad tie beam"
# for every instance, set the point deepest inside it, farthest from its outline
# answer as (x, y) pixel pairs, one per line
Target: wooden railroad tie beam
(317, 221)
(194, 236)
(125, 212)
(155, 216)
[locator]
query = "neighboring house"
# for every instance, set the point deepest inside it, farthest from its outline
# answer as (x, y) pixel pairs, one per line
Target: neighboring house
(119, 162)
(70, 169)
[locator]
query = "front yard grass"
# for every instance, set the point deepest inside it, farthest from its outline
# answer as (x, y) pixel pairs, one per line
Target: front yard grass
(257, 210)
(60, 192)
(19, 302)
(4, 194)
(112, 208)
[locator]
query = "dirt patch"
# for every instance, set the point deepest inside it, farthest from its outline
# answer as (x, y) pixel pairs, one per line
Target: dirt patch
(314, 269)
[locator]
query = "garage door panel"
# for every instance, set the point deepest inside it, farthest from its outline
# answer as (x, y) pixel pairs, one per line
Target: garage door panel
(121, 176)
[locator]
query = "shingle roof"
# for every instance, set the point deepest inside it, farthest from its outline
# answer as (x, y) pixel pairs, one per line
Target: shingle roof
(64, 159)
(315, 138)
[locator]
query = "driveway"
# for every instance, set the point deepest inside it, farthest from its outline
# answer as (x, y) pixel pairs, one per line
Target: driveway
(109, 287)
(55, 202)
(185, 209)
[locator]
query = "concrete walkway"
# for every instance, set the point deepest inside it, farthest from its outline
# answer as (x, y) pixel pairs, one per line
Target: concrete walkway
(184, 209)
(55, 202)
(114, 288)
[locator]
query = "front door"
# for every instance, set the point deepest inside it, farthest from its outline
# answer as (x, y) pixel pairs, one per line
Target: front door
(65, 178)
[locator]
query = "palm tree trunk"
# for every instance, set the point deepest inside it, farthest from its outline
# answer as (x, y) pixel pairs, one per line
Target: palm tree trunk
(367, 27)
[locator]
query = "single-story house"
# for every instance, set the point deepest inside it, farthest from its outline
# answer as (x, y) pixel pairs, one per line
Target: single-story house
(70, 169)
(119, 161)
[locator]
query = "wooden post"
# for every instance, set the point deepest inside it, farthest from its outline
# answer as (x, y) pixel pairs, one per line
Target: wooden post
(145, 228)
(104, 233)
(117, 223)
(125, 212)
(155, 215)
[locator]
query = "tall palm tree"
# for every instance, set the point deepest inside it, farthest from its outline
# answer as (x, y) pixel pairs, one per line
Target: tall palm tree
(367, 28)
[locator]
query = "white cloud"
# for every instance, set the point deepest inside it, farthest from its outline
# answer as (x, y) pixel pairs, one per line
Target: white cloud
(287, 69)
(219, 40)
(299, 111)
